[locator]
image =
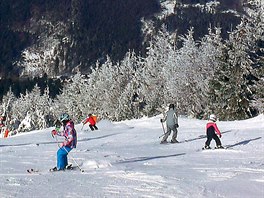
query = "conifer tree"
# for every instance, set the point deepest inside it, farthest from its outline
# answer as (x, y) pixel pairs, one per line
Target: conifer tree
(235, 79)
(73, 99)
(153, 87)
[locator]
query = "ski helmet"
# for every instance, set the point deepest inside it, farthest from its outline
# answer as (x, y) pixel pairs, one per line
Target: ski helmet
(171, 106)
(212, 117)
(64, 117)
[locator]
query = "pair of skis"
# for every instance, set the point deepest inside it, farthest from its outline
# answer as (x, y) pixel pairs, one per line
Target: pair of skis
(68, 168)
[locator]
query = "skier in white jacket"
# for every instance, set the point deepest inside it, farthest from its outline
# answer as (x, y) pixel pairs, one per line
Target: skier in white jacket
(171, 119)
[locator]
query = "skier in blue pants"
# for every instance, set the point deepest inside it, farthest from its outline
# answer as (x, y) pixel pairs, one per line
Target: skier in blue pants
(62, 160)
(69, 143)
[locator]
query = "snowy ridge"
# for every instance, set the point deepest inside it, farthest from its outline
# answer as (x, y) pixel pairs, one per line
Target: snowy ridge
(125, 159)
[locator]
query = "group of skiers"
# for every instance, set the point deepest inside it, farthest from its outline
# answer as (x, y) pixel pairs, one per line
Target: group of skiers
(171, 119)
(70, 135)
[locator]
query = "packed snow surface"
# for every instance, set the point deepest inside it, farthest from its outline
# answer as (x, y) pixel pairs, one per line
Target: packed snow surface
(126, 159)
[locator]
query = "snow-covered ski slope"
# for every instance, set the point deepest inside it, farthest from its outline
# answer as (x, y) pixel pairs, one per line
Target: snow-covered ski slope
(125, 159)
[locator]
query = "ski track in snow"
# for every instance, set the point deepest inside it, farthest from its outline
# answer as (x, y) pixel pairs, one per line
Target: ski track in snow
(125, 159)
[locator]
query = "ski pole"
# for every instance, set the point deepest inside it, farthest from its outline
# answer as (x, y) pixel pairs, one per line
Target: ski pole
(69, 155)
(163, 130)
(74, 160)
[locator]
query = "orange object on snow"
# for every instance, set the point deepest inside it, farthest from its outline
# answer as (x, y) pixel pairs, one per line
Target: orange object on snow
(6, 133)
(94, 118)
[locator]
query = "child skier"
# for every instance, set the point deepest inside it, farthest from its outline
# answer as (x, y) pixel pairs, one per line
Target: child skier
(69, 143)
(212, 131)
(171, 119)
(92, 122)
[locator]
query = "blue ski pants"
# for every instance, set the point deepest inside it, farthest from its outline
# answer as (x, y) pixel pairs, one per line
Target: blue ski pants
(62, 160)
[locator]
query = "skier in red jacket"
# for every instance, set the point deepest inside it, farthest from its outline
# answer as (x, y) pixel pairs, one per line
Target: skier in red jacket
(92, 122)
(212, 131)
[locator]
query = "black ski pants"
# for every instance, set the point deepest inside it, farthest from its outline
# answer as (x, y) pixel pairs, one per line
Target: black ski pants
(92, 127)
(211, 135)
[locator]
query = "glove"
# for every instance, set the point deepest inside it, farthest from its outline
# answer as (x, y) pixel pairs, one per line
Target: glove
(220, 135)
(176, 125)
(54, 132)
(161, 120)
(62, 144)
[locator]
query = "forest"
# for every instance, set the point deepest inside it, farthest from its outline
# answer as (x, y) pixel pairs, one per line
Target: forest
(215, 73)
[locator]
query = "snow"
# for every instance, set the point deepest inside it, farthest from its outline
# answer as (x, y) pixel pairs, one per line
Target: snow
(125, 159)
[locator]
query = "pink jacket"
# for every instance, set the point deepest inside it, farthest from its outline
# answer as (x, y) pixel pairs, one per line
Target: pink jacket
(70, 135)
(212, 125)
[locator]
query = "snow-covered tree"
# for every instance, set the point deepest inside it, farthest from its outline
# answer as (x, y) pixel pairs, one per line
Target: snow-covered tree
(190, 69)
(153, 87)
(6, 107)
(111, 88)
(235, 84)
(210, 50)
(256, 54)
(73, 98)
(28, 112)
(127, 85)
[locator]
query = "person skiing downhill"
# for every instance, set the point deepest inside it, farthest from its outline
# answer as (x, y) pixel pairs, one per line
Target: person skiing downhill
(91, 121)
(171, 119)
(211, 132)
(69, 143)
(2, 120)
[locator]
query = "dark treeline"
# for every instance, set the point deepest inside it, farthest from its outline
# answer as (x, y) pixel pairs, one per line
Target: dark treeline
(21, 85)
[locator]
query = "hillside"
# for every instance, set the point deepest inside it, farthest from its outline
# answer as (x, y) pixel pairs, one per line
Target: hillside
(125, 159)
(58, 37)
(55, 38)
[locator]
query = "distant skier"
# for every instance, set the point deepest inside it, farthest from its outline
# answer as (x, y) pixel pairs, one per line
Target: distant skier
(2, 120)
(212, 131)
(92, 122)
(171, 119)
(3, 129)
(69, 143)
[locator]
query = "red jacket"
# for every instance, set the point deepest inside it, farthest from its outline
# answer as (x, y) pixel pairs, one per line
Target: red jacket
(90, 120)
(212, 126)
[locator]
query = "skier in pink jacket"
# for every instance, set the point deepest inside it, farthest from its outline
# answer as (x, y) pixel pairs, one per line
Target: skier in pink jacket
(69, 143)
(212, 131)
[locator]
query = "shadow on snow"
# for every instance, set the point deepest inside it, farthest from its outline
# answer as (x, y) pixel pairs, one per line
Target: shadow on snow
(55, 142)
(140, 159)
(243, 142)
(97, 138)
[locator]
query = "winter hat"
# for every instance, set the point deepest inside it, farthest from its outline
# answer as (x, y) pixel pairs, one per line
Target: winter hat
(212, 117)
(64, 117)
(171, 106)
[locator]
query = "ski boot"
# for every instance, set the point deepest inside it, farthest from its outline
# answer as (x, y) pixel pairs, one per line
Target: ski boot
(69, 167)
(206, 147)
(53, 169)
(163, 142)
(174, 141)
(219, 147)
